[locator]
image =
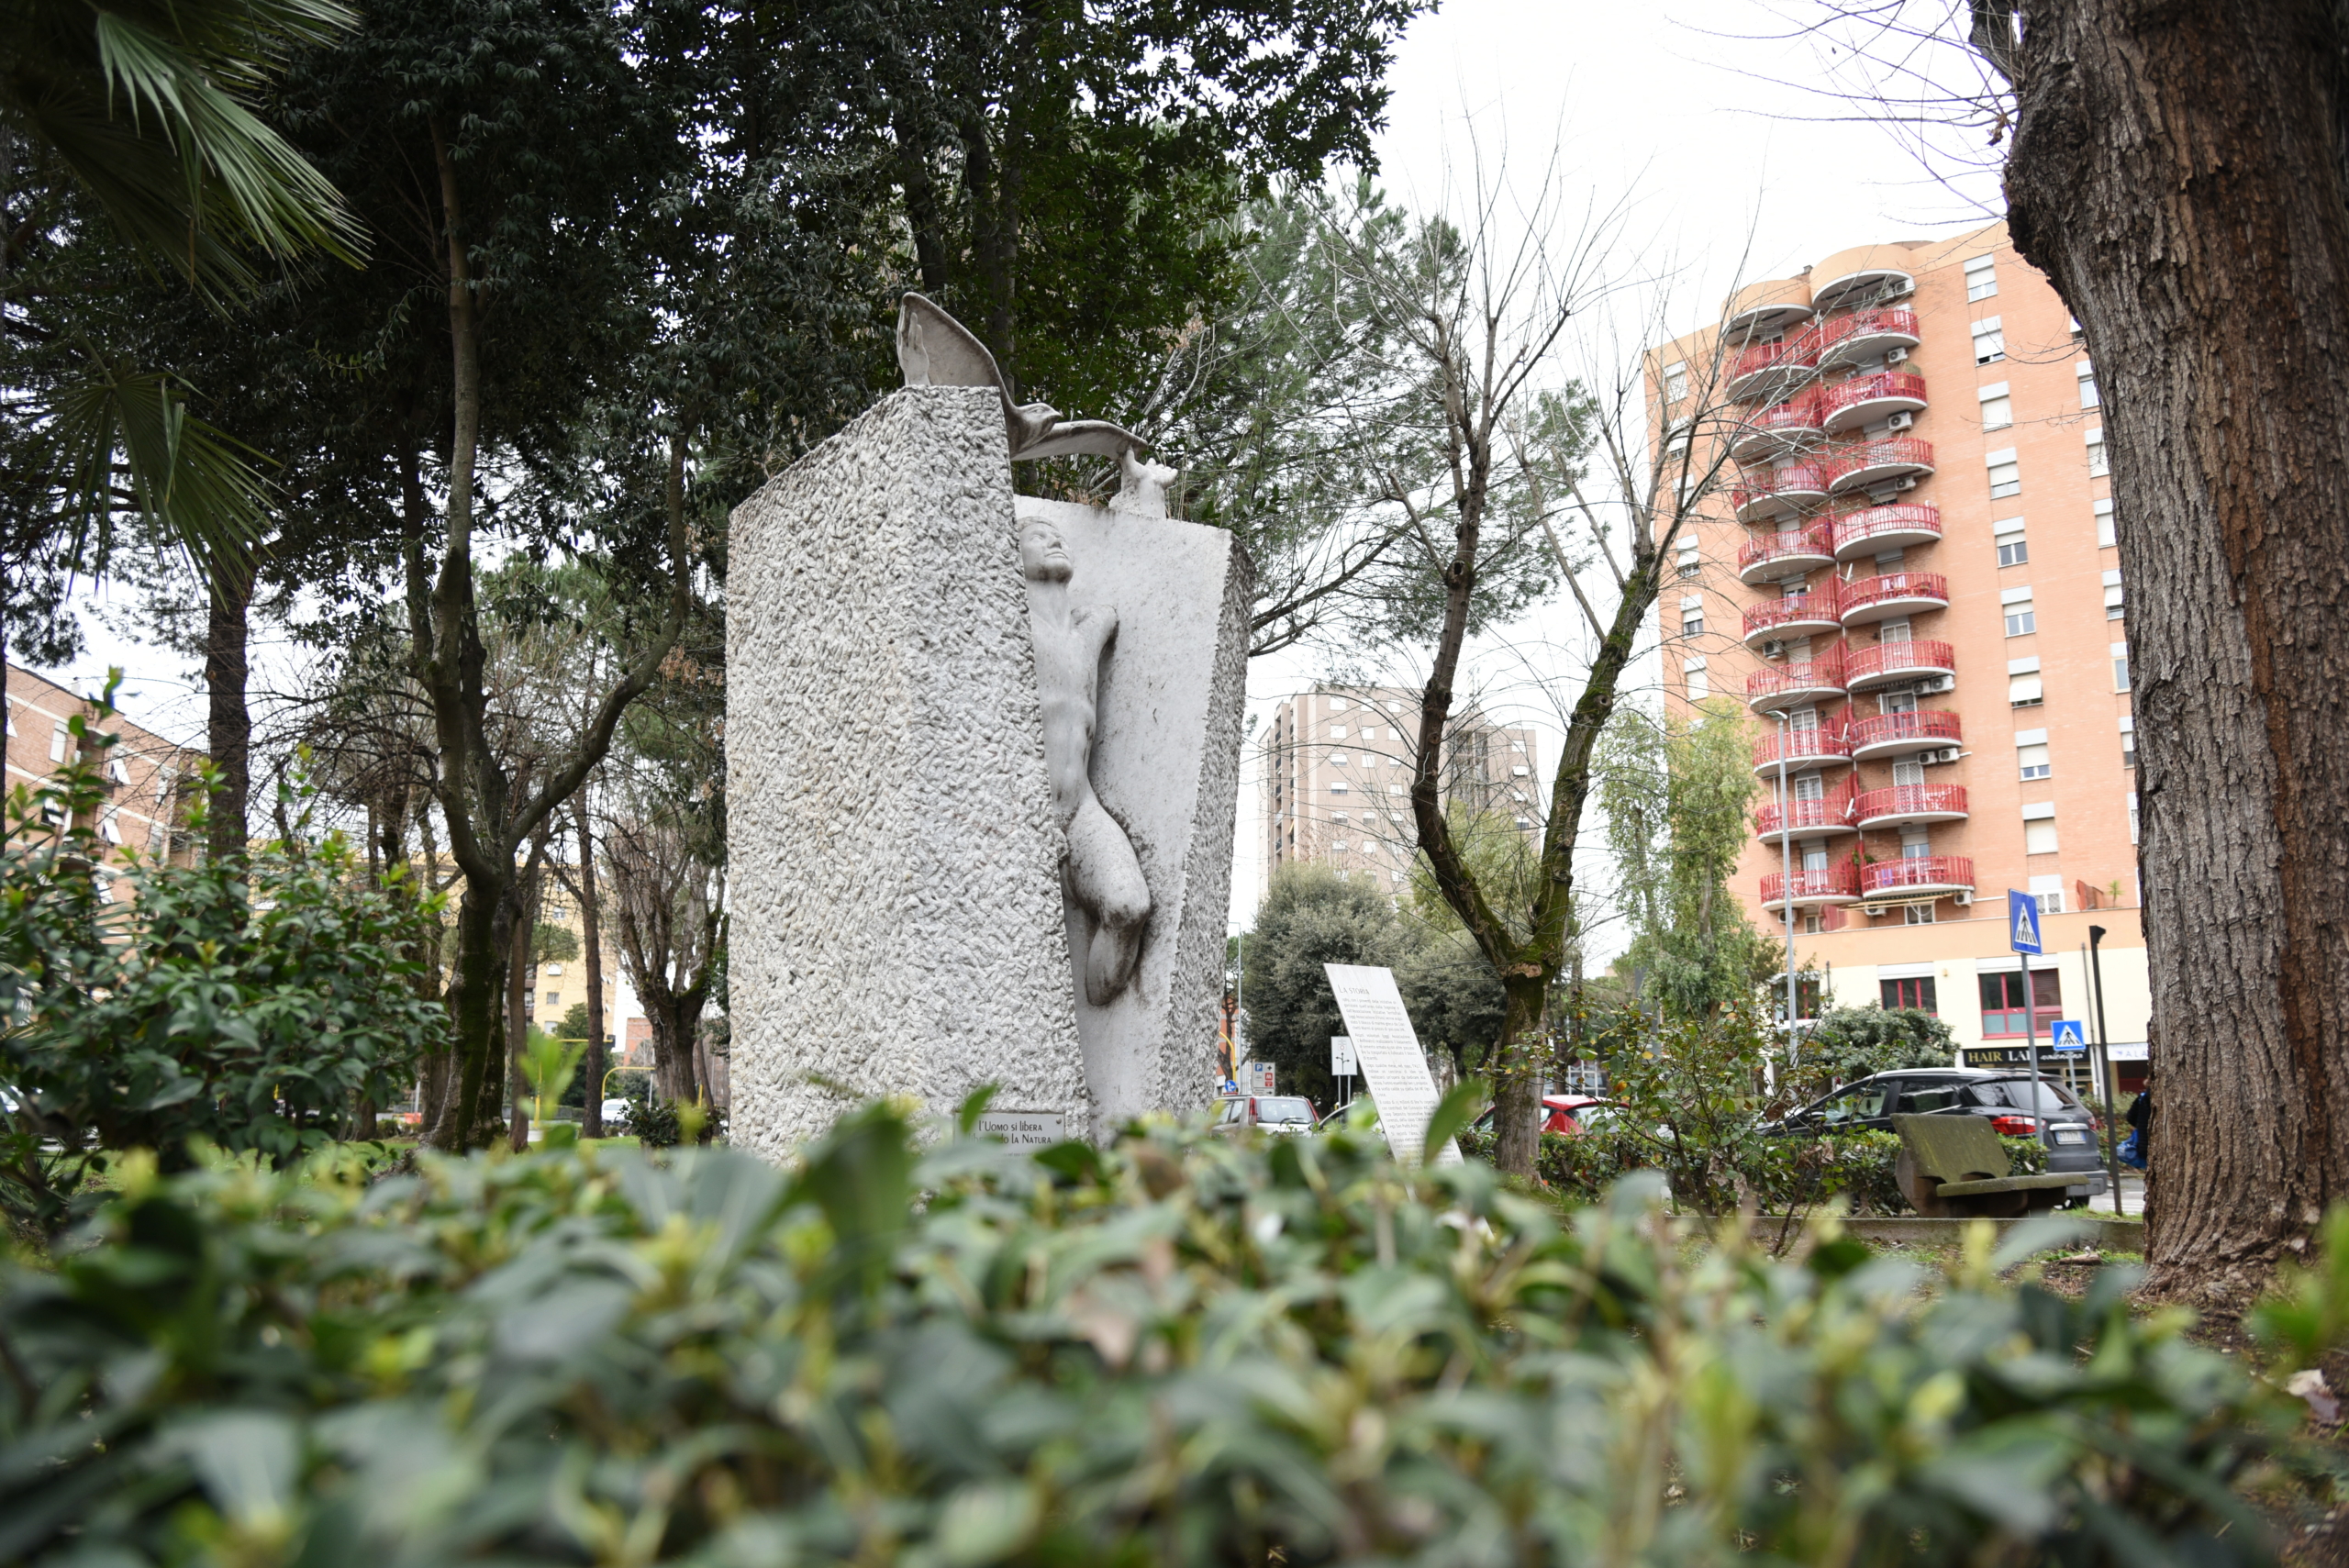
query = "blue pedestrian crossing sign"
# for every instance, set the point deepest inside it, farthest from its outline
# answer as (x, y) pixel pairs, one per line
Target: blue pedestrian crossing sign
(2069, 1035)
(2022, 920)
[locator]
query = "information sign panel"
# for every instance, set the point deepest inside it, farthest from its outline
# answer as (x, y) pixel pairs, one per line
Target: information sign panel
(1258, 1077)
(1024, 1130)
(1342, 1056)
(1387, 1055)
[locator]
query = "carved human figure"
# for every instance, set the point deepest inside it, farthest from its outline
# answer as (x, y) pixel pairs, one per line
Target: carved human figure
(1101, 873)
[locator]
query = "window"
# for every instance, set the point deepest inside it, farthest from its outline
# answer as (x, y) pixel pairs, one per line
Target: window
(1339, 705)
(2005, 479)
(1338, 787)
(2025, 691)
(1394, 789)
(2120, 666)
(1675, 383)
(2033, 762)
(1340, 846)
(1981, 277)
(1997, 408)
(2021, 618)
(1337, 759)
(1338, 818)
(2128, 741)
(554, 998)
(1337, 732)
(2008, 533)
(2039, 839)
(2089, 396)
(1692, 623)
(1917, 993)
(1989, 341)
(1699, 688)
(2098, 467)
(109, 828)
(2113, 605)
(1685, 555)
(1917, 915)
(2104, 535)
(58, 740)
(2005, 1005)
(1678, 435)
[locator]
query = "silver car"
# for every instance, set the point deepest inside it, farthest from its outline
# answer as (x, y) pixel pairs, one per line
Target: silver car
(1283, 1114)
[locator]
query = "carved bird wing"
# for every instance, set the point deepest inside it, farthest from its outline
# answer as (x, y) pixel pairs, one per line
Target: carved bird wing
(935, 349)
(1067, 437)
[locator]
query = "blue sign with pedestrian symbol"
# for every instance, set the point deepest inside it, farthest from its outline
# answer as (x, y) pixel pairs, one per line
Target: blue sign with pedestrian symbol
(2069, 1035)
(2022, 920)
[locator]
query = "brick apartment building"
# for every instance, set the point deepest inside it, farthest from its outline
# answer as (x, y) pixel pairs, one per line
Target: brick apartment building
(1336, 769)
(1910, 582)
(146, 803)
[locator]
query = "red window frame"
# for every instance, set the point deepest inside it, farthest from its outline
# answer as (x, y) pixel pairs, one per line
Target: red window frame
(1915, 992)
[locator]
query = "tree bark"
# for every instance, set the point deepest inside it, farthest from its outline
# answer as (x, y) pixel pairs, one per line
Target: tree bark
(2176, 172)
(229, 722)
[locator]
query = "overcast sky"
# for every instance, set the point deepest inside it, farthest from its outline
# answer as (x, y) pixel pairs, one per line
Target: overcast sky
(1690, 112)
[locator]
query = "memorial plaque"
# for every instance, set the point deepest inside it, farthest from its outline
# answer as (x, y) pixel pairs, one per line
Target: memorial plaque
(1387, 1055)
(1024, 1130)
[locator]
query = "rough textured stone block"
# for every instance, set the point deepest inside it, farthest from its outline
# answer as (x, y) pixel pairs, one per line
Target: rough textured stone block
(894, 863)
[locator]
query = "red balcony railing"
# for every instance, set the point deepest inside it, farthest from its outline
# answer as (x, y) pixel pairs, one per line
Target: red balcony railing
(1811, 887)
(1922, 870)
(1794, 351)
(1887, 726)
(1800, 412)
(1803, 746)
(1895, 452)
(1817, 540)
(1821, 674)
(1879, 322)
(1833, 809)
(1862, 663)
(1819, 605)
(1906, 386)
(1804, 479)
(1906, 520)
(1893, 587)
(1908, 801)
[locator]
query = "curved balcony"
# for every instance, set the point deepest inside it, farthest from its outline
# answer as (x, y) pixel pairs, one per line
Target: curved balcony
(1861, 276)
(1795, 686)
(1891, 595)
(1905, 804)
(1889, 663)
(1864, 464)
(1780, 429)
(1805, 748)
(1808, 615)
(1767, 556)
(1767, 493)
(1902, 734)
(1773, 305)
(1767, 370)
(1831, 814)
(1917, 877)
(1864, 334)
(1836, 885)
(1871, 531)
(1864, 399)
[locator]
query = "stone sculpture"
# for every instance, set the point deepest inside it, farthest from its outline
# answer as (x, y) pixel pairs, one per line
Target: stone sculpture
(982, 757)
(1102, 875)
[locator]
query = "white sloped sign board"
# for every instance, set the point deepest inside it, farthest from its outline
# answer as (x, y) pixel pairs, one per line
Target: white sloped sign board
(1387, 1055)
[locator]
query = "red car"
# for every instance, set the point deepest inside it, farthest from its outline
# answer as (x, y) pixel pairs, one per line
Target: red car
(1573, 1115)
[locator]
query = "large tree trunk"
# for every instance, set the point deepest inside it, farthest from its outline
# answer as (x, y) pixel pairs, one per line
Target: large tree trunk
(2177, 172)
(228, 725)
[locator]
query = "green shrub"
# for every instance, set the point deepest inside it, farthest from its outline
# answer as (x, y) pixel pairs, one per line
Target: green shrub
(255, 1004)
(1179, 1350)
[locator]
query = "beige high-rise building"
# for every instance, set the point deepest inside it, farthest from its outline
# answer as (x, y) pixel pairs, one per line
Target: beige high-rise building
(1335, 770)
(1911, 584)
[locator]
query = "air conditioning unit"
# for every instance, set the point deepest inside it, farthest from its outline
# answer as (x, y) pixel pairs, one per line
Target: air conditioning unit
(1962, 899)
(1774, 650)
(1900, 422)
(1907, 484)
(1946, 754)
(1895, 356)
(1934, 684)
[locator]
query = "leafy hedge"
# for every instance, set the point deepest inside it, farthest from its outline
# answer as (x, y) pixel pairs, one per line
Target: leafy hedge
(1178, 1350)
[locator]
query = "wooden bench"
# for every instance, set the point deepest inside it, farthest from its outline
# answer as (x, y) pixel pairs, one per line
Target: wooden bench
(1953, 1167)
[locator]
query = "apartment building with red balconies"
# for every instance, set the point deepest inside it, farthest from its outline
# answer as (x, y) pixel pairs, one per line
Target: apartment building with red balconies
(1910, 581)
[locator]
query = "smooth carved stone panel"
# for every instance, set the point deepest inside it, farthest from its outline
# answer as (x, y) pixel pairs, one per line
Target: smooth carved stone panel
(1166, 768)
(895, 866)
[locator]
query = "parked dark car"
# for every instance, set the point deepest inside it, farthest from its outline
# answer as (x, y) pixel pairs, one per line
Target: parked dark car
(2015, 1105)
